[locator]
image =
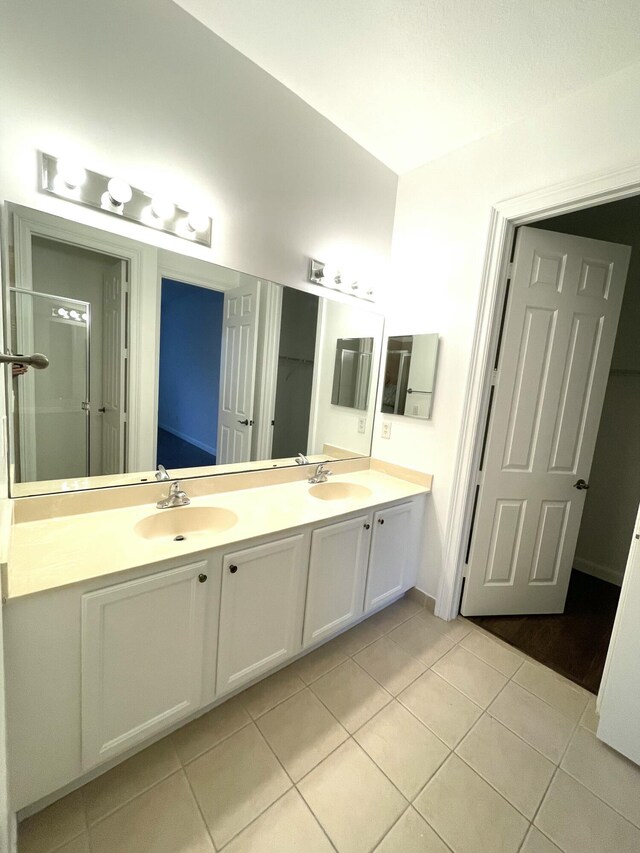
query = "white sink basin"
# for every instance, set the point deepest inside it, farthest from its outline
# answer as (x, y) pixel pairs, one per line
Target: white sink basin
(185, 522)
(339, 491)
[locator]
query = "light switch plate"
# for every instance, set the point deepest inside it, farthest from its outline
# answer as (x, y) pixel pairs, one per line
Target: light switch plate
(386, 429)
(362, 425)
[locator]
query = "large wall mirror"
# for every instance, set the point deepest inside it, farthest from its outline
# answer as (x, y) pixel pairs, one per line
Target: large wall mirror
(160, 358)
(410, 375)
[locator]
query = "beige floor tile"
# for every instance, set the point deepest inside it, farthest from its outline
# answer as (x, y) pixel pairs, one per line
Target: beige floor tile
(165, 819)
(454, 629)
(405, 750)
(208, 730)
(353, 800)
(536, 842)
(266, 694)
(235, 782)
(353, 641)
(556, 691)
(316, 664)
(78, 845)
(511, 766)
(543, 727)
(498, 656)
(421, 640)
(390, 665)
(301, 732)
(411, 834)
(441, 707)
(351, 695)
(590, 717)
(476, 679)
(287, 826)
(605, 772)
(116, 787)
(395, 614)
(60, 822)
(468, 814)
(579, 822)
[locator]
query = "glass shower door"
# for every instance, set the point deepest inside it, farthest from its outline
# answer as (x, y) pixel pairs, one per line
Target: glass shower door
(51, 407)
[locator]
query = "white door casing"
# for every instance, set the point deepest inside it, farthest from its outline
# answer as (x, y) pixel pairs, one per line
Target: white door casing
(557, 342)
(619, 699)
(238, 372)
(114, 367)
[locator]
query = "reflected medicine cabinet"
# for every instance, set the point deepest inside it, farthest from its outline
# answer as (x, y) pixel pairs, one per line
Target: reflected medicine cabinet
(409, 376)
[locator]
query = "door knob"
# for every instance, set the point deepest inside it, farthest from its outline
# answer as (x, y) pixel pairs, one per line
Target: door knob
(233, 569)
(367, 526)
(381, 521)
(246, 422)
(202, 578)
(581, 484)
(102, 409)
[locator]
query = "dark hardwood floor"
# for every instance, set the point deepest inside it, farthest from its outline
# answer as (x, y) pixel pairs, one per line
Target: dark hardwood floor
(573, 643)
(174, 452)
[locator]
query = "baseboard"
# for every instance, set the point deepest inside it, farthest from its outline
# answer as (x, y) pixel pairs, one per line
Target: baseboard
(596, 570)
(421, 598)
(200, 444)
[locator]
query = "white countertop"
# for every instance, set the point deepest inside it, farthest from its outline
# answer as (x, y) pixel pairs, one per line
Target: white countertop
(55, 552)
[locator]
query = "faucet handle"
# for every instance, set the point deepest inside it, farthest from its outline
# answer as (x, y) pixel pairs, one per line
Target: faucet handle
(162, 473)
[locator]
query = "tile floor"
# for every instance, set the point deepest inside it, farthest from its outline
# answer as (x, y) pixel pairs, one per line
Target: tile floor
(404, 734)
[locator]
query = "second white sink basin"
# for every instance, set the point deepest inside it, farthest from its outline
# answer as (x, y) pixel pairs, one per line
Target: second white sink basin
(339, 491)
(184, 522)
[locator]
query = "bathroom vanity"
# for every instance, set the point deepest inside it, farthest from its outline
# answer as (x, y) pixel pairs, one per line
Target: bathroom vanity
(123, 623)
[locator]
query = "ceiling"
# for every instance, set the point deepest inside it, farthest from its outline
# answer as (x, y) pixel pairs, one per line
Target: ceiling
(413, 79)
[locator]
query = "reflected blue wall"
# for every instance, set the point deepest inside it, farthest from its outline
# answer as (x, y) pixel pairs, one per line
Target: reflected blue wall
(190, 335)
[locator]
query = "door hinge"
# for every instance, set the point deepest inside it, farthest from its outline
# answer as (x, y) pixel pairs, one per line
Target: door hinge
(510, 269)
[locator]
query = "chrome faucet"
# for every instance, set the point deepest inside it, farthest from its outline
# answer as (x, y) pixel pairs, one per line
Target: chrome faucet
(162, 473)
(321, 474)
(176, 497)
(301, 459)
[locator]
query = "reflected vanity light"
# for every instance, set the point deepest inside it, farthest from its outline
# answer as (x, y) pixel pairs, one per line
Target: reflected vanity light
(67, 179)
(332, 278)
(70, 314)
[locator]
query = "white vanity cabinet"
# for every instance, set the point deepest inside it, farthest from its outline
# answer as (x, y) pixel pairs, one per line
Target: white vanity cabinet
(261, 609)
(337, 576)
(393, 551)
(142, 658)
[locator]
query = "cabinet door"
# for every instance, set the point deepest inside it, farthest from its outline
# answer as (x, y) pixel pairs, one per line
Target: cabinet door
(391, 549)
(142, 649)
(337, 574)
(261, 609)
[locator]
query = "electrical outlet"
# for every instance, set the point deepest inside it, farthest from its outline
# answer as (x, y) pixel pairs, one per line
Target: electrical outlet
(362, 425)
(386, 429)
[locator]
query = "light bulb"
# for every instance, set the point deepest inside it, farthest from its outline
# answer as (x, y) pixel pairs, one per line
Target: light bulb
(70, 173)
(119, 192)
(74, 315)
(162, 208)
(62, 312)
(84, 316)
(197, 221)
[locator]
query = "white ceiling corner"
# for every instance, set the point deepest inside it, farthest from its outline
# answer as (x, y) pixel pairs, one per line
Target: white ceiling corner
(410, 80)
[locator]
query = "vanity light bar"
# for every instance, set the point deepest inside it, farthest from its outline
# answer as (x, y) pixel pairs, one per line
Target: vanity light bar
(66, 179)
(59, 312)
(320, 273)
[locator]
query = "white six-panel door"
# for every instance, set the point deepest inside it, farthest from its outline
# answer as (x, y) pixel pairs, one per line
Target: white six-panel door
(557, 342)
(238, 373)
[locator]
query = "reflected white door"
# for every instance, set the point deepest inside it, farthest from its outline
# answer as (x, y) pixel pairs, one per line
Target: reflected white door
(558, 338)
(114, 365)
(620, 690)
(238, 373)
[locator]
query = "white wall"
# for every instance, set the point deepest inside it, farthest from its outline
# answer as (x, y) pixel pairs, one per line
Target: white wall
(143, 90)
(612, 501)
(439, 246)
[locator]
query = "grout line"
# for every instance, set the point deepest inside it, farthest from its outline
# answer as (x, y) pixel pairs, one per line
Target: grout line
(200, 812)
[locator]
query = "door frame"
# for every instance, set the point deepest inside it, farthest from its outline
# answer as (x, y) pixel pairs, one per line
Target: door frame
(504, 218)
(141, 263)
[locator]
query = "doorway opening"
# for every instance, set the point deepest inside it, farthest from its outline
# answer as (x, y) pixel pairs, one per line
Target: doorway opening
(575, 642)
(189, 375)
(72, 421)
